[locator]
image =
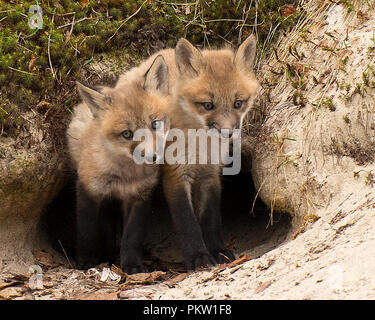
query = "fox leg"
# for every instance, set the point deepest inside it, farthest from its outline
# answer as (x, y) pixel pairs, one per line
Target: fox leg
(209, 212)
(134, 218)
(108, 214)
(88, 232)
(186, 225)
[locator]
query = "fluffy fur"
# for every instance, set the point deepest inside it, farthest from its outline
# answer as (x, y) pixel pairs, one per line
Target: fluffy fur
(104, 161)
(193, 192)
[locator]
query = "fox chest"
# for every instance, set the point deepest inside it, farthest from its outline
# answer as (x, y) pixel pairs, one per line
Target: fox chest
(124, 187)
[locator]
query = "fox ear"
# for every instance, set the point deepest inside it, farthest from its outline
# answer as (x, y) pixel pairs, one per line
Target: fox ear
(94, 99)
(189, 59)
(245, 55)
(156, 78)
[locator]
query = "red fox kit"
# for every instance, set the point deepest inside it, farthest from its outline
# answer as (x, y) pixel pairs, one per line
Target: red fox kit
(215, 89)
(101, 144)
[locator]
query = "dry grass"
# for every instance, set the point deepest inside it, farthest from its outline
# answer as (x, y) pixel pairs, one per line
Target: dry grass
(289, 73)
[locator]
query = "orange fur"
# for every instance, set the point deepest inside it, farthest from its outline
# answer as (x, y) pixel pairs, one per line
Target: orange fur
(101, 155)
(217, 76)
(217, 79)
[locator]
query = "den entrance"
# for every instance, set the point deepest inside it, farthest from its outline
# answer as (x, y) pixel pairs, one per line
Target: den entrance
(245, 231)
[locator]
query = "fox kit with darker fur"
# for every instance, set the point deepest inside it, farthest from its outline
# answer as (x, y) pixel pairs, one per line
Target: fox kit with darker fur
(101, 144)
(214, 89)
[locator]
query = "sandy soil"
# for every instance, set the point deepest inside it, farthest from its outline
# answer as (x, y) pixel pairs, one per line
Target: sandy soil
(334, 258)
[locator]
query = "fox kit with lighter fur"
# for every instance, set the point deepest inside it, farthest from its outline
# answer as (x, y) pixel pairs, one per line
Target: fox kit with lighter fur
(101, 145)
(214, 89)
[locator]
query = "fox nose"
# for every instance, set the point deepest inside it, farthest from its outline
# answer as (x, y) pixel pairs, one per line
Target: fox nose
(152, 159)
(227, 133)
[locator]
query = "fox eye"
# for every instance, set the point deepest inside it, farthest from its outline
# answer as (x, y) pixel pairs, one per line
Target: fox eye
(127, 134)
(237, 104)
(156, 124)
(208, 105)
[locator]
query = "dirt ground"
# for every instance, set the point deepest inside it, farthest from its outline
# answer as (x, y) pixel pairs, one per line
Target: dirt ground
(249, 234)
(331, 258)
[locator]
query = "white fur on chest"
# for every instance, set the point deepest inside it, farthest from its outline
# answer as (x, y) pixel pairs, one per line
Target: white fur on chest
(122, 179)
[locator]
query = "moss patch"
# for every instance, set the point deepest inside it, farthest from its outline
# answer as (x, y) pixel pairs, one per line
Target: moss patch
(42, 64)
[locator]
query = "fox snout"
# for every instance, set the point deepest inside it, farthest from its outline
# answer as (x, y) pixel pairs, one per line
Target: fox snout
(150, 158)
(225, 130)
(227, 133)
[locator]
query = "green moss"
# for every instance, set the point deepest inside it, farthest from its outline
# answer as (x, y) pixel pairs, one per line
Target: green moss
(43, 64)
(10, 119)
(348, 4)
(359, 89)
(368, 77)
(24, 97)
(329, 104)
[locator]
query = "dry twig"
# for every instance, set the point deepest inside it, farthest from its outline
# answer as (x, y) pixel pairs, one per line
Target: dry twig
(49, 57)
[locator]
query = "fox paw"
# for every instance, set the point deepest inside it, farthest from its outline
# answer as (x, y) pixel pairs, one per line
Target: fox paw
(222, 256)
(131, 266)
(86, 263)
(199, 260)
